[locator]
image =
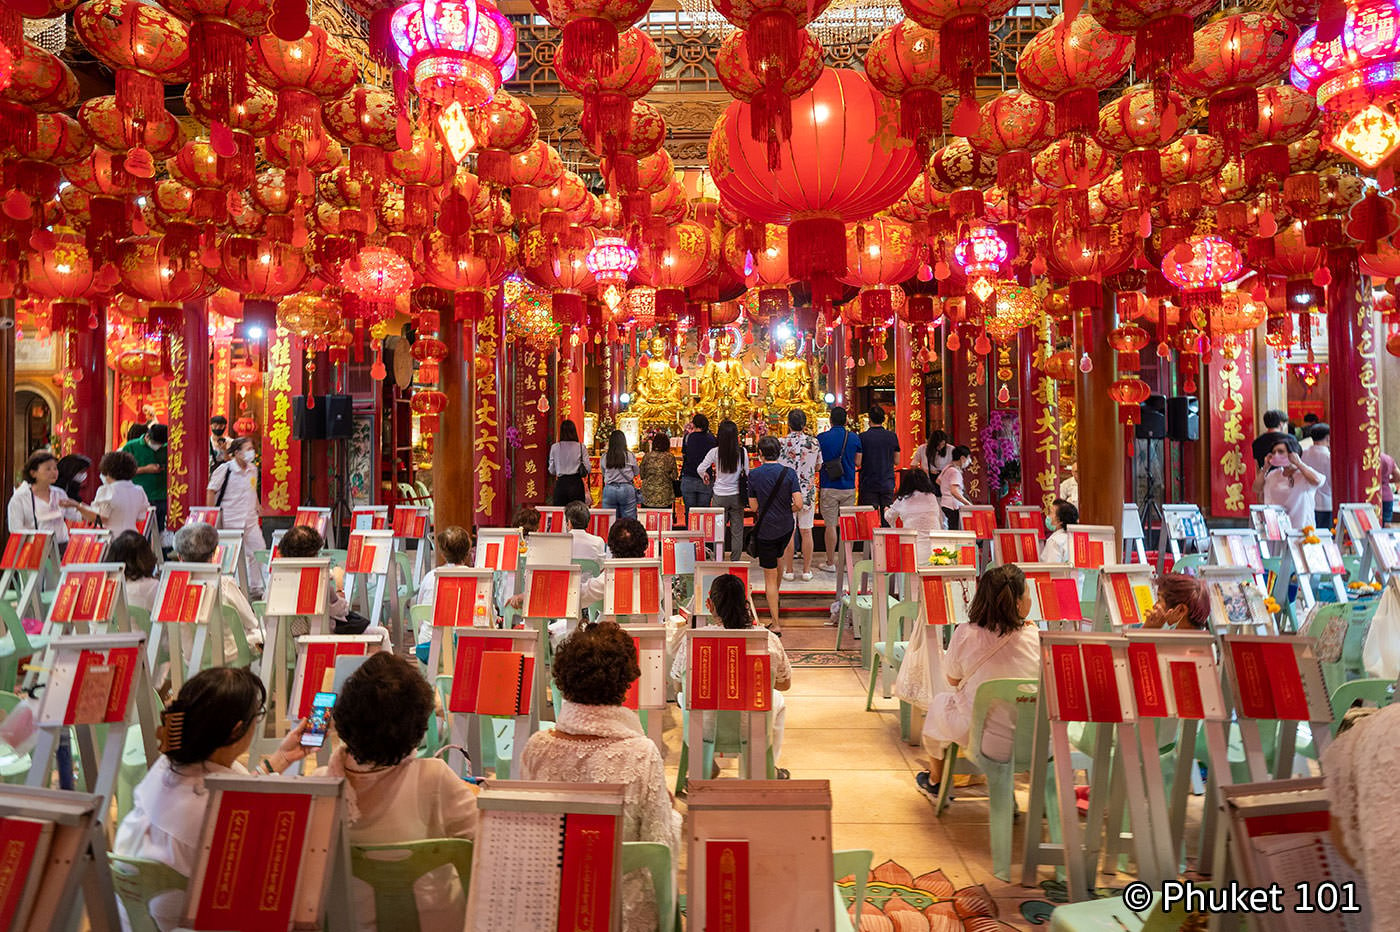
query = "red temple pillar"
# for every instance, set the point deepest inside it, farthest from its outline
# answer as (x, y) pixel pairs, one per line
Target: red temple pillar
(966, 391)
(82, 425)
(1352, 402)
(571, 380)
(1040, 429)
(1100, 437)
(908, 396)
(187, 458)
(452, 468)
(488, 425)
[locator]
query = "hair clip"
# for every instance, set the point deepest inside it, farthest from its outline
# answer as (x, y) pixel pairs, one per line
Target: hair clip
(172, 730)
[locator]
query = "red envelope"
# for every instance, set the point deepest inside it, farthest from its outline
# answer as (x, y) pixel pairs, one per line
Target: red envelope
(1069, 683)
(1148, 690)
(1102, 682)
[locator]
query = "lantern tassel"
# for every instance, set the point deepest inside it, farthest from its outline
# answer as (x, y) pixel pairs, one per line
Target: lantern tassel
(818, 247)
(1163, 44)
(218, 67)
(920, 114)
(773, 41)
(1078, 111)
(1233, 113)
(589, 46)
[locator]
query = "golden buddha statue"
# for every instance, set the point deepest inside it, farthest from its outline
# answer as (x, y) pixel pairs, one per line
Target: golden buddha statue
(790, 386)
(657, 397)
(724, 385)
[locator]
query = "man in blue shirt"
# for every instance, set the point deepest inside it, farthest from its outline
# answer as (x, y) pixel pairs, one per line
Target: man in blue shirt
(881, 452)
(838, 445)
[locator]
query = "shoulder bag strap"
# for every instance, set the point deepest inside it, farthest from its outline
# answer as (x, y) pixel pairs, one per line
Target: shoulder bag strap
(767, 503)
(228, 471)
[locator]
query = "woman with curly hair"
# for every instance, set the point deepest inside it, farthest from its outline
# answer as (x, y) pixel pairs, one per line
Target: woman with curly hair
(599, 740)
(392, 794)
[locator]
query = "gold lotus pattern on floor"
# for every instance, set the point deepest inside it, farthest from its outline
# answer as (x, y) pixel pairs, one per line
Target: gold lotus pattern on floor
(897, 901)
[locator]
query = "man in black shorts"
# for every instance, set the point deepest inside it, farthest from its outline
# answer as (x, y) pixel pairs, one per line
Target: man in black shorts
(775, 496)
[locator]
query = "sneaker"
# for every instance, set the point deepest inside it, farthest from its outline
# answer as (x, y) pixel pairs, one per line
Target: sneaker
(781, 773)
(789, 576)
(925, 783)
(806, 577)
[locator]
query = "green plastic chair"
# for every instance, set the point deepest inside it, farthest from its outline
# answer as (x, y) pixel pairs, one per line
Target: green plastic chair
(492, 756)
(21, 643)
(900, 621)
(140, 619)
(1376, 692)
(14, 766)
(1189, 562)
(728, 739)
(855, 863)
(858, 604)
(392, 871)
(1001, 775)
(656, 858)
(403, 561)
(243, 653)
(140, 880)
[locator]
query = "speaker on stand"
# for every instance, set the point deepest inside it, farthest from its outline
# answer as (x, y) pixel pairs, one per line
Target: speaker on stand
(1151, 429)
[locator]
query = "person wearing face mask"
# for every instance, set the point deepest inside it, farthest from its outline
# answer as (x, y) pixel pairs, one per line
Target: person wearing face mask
(149, 453)
(233, 488)
(219, 440)
(1182, 604)
(120, 503)
(1056, 548)
(1289, 482)
(73, 475)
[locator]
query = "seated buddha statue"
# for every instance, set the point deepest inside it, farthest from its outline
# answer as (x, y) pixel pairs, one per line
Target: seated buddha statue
(790, 386)
(657, 397)
(724, 385)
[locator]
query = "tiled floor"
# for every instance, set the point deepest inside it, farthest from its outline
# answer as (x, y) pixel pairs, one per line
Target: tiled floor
(830, 736)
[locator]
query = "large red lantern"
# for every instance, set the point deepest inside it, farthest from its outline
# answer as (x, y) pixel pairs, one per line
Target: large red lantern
(769, 91)
(903, 62)
(964, 30)
(1136, 126)
(219, 31)
(455, 51)
(608, 96)
(507, 125)
(560, 265)
(303, 73)
(1234, 55)
(1199, 265)
(260, 268)
(1013, 127)
(837, 166)
(961, 172)
(468, 269)
(772, 29)
(148, 48)
(1161, 30)
(880, 254)
(1068, 64)
(591, 29)
(684, 257)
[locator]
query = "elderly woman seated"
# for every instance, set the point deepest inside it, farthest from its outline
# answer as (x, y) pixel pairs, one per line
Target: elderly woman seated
(197, 542)
(598, 740)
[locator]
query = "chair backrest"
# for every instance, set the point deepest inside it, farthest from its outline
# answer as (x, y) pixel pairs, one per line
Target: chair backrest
(856, 863)
(656, 858)
(864, 581)
(140, 618)
(140, 880)
(1379, 693)
(404, 565)
(588, 568)
(1024, 695)
(902, 616)
(234, 624)
(16, 628)
(392, 871)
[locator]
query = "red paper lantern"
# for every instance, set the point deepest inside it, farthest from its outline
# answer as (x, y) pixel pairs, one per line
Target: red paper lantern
(1161, 30)
(684, 257)
(507, 126)
(1136, 126)
(152, 271)
(219, 31)
(260, 268)
(772, 29)
(608, 95)
(961, 172)
(160, 135)
(591, 29)
(454, 51)
(964, 30)
(1013, 127)
(559, 264)
(376, 277)
(768, 91)
(1199, 265)
(39, 83)
(1234, 55)
(303, 73)
(836, 166)
(1068, 64)
(903, 62)
(880, 254)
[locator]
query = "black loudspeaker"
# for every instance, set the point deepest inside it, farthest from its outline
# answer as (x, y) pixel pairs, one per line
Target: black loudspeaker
(339, 423)
(1184, 417)
(1153, 424)
(308, 422)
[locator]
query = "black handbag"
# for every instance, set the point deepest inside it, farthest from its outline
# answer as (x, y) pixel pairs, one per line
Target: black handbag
(833, 470)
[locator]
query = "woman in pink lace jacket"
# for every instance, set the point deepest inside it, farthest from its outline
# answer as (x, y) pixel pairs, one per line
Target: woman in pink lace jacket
(598, 740)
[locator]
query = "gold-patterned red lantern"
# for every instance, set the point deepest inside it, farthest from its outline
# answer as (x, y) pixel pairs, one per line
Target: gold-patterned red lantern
(558, 200)
(559, 265)
(591, 29)
(260, 268)
(903, 62)
(421, 169)
(35, 172)
(1072, 167)
(962, 173)
(685, 256)
(539, 166)
(1013, 127)
(1161, 30)
(645, 134)
(311, 318)
(160, 134)
(1129, 393)
(506, 126)
(768, 91)
(880, 254)
(1085, 254)
(772, 29)
(1199, 265)
(303, 74)
(428, 404)
(1069, 64)
(468, 269)
(761, 264)
(209, 175)
(963, 28)
(147, 48)
(64, 276)
(608, 96)
(1136, 126)
(113, 189)
(219, 32)
(375, 277)
(1286, 115)
(39, 83)
(1234, 55)
(366, 120)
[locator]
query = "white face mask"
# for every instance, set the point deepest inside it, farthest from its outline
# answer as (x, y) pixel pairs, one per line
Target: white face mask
(80, 477)
(246, 456)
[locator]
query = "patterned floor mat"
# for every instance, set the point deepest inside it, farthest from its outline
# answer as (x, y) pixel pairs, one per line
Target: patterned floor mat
(896, 899)
(824, 658)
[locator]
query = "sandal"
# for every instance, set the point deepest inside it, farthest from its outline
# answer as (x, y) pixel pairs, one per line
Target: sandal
(781, 773)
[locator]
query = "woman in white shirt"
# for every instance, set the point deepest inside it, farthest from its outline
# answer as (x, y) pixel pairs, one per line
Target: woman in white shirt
(1289, 482)
(1056, 548)
(37, 505)
(950, 487)
(599, 740)
(121, 504)
(233, 489)
(729, 463)
(204, 731)
(391, 794)
(454, 548)
(568, 464)
(996, 642)
(915, 506)
(133, 551)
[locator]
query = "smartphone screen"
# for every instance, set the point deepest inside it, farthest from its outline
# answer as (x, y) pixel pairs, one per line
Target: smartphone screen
(315, 734)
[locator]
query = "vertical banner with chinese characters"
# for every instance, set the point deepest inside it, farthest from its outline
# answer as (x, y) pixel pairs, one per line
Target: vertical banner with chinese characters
(1231, 412)
(487, 431)
(1352, 402)
(909, 396)
(571, 375)
(531, 421)
(967, 394)
(1040, 429)
(281, 455)
(187, 455)
(219, 383)
(81, 427)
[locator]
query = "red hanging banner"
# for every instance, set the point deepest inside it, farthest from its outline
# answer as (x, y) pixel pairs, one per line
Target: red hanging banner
(531, 421)
(489, 442)
(281, 455)
(1231, 412)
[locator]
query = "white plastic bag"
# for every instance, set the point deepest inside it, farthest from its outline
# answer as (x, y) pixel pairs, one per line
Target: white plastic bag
(911, 683)
(1381, 652)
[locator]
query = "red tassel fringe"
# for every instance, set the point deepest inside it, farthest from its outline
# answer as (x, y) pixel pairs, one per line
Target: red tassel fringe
(218, 67)
(493, 166)
(1014, 169)
(589, 46)
(773, 41)
(1303, 188)
(381, 37)
(920, 114)
(965, 202)
(964, 47)
(1233, 113)
(1265, 165)
(139, 97)
(1142, 168)
(1164, 44)
(567, 307)
(818, 247)
(1078, 112)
